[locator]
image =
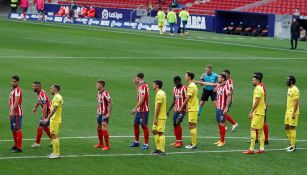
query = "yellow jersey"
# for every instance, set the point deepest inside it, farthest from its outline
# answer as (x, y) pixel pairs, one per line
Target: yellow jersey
(193, 102)
(293, 94)
(57, 101)
(161, 99)
(259, 93)
(161, 16)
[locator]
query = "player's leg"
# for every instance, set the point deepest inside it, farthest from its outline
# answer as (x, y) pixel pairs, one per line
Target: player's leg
(99, 132)
(192, 118)
(144, 122)
(292, 128)
(261, 149)
(266, 131)
(179, 119)
(162, 142)
(253, 128)
(38, 136)
(18, 133)
(157, 139)
(104, 127)
(137, 122)
(12, 123)
(204, 98)
(175, 128)
(220, 117)
(54, 130)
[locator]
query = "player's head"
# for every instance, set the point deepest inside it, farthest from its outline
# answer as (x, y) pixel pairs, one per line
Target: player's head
(257, 80)
(55, 89)
(100, 85)
(227, 73)
(221, 78)
(177, 81)
(183, 8)
(258, 74)
(139, 77)
(291, 80)
(189, 76)
(36, 86)
(159, 9)
(157, 84)
(15, 81)
(209, 68)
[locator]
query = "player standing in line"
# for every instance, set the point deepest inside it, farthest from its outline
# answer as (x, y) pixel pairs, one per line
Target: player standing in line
(103, 115)
(184, 16)
(292, 112)
(159, 122)
(55, 118)
(15, 104)
(257, 116)
(44, 102)
(25, 5)
(161, 19)
(208, 90)
(141, 111)
(172, 20)
(40, 4)
(191, 102)
(229, 84)
(180, 95)
(265, 126)
(223, 101)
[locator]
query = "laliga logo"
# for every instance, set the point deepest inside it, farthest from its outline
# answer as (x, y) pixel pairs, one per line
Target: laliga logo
(105, 14)
(140, 26)
(90, 22)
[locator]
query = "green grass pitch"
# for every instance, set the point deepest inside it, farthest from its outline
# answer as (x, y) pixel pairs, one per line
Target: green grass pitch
(76, 56)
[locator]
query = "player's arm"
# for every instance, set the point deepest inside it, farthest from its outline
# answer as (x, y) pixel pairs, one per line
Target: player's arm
(109, 108)
(295, 108)
(185, 102)
(14, 106)
(157, 113)
(205, 83)
(228, 101)
(53, 111)
(138, 104)
(171, 107)
(257, 100)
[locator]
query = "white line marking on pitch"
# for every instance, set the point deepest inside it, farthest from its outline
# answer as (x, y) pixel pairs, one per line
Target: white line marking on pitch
(102, 57)
(152, 35)
(201, 137)
(130, 155)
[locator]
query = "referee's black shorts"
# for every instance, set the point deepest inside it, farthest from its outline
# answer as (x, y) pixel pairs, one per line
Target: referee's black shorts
(206, 94)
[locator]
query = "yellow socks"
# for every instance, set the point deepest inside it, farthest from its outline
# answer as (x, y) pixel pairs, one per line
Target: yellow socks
(261, 139)
(288, 135)
(253, 140)
(194, 136)
(162, 143)
(56, 146)
(157, 141)
(293, 138)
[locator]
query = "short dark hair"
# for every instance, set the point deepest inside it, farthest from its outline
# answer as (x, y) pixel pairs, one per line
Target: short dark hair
(259, 73)
(191, 75)
(102, 82)
(227, 71)
(209, 66)
(223, 76)
(159, 83)
(58, 87)
(292, 79)
(16, 77)
(177, 78)
(140, 75)
(258, 77)
(37, 83)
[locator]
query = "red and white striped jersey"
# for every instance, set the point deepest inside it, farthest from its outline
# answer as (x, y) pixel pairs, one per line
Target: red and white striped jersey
(180, 94)
(104, 100)
(229, 84)
(16, 92)
(143, 91)
(222, 94)
(43, 99)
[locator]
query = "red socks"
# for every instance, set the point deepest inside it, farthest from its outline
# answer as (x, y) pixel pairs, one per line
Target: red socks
(14, 137)
(266, 131)
(136, 132)
(222, 133)
(39, 135)
(228, 118)
(178, 133)
(47, 130)
(146, 134)
(106, 136)
(19, 139)
(100, 136)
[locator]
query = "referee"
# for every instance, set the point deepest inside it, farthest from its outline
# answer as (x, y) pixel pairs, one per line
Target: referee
(295, 33)
(208, 90)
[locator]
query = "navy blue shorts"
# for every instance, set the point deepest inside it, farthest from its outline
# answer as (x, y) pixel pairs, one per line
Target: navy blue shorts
(141, 118)
(16, 122)
(178, 118)
(220, 117)
(101, 119)
(41, 124)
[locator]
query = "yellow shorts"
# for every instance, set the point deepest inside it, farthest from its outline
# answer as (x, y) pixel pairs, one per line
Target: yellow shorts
(161, 24)
(289, 121)
(192, 117)
(257, 121)
(160, 127)
(54, 128)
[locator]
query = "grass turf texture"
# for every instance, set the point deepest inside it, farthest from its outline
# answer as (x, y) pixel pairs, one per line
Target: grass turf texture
(22, 43)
